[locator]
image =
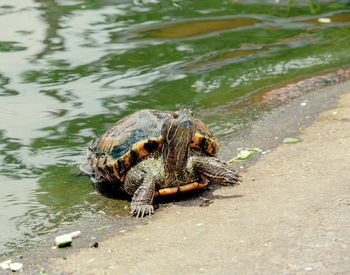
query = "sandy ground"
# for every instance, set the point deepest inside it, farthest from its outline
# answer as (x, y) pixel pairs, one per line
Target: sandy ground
(290, 215)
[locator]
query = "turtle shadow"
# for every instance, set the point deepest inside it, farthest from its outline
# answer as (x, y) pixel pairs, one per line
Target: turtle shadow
(192, 198)
(111, 191)
(199, 197)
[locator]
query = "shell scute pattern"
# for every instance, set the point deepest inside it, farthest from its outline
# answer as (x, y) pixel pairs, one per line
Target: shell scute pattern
(135, 137)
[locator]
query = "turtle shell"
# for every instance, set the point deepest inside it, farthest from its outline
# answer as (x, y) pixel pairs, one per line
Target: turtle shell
(135, 137)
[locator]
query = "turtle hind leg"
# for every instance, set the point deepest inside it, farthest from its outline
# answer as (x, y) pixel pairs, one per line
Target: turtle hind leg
(215, 170)
(142, 200)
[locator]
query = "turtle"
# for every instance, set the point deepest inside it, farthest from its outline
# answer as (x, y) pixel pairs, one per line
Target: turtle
(151, 152)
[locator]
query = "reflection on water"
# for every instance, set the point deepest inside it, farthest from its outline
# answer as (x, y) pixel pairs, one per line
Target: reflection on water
(342, 17)
(192, 28)
(232, 56)
(69, 69)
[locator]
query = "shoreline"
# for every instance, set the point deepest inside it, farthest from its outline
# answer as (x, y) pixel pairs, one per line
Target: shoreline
(289, 120)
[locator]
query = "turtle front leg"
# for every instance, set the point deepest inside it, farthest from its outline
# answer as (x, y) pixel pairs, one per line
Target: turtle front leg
(215, 170)
(142, 200)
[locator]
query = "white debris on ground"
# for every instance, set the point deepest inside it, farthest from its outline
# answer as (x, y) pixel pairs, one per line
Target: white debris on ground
(16, 266)
(63, 240)
(6, 264)
(10, 265)
(66, 239)
(244, 154)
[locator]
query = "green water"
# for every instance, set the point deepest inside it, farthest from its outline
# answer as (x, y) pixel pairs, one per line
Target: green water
(69, 69)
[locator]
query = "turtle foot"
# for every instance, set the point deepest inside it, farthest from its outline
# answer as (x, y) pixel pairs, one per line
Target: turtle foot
(142, 210)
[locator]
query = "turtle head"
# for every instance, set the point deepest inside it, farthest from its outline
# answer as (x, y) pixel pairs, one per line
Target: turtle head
(177, 133)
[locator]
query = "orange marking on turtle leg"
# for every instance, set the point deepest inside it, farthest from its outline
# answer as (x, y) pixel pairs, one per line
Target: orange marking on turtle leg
(183, 188)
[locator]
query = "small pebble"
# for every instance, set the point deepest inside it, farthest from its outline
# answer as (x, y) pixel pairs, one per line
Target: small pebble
(6, 264)
(95, 244)
(206, 203)
(91, 260)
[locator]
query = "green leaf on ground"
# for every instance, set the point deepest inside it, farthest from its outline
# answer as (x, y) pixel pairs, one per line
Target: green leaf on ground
(206, 203)
(242, 156)
(103, 227)
(290, 140)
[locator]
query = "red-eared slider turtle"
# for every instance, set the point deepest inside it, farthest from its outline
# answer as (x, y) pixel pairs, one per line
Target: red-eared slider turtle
(151, 152)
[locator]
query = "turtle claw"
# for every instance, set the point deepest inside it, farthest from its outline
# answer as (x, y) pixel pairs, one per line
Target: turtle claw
(142, 210)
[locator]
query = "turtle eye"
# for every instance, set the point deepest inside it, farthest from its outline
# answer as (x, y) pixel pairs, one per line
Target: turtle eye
(188, 111)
